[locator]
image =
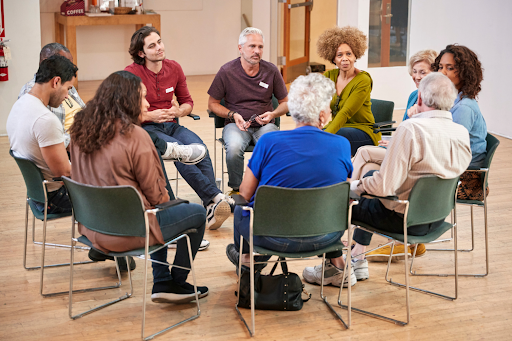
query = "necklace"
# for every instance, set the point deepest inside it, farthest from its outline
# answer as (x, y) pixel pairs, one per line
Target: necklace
(33, 94)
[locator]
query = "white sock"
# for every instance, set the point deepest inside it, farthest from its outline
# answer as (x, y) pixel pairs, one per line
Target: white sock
(218, 198)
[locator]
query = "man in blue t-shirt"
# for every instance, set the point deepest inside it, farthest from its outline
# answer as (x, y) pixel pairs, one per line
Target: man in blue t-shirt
(305, 157)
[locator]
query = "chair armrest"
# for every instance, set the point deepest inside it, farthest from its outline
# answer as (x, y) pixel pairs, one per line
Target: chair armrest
(210, 113)
(390, 197)
(194, 117)
(476, 169)
(381, 124)
(57, 179)
(239, 200)
(383, 130)
(171, 203)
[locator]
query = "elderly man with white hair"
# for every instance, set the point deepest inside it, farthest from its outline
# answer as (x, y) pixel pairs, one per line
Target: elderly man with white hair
(428, 144)
(305, 157)
(246, 84)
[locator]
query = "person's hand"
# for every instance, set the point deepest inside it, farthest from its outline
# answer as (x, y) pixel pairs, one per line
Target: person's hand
(412, 111)
(159, 116)
(240, 122)
(265, 118)
(175, 109)
(383, 143)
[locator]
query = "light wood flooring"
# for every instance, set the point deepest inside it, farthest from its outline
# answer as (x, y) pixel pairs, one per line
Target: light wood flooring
(482, 311)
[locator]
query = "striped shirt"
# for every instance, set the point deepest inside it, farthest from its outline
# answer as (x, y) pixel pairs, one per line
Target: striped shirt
(428, 144)
(60, 112)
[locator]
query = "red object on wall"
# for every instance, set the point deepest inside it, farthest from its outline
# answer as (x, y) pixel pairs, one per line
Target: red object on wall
(4, 73)
(2, 22)
(72, 8)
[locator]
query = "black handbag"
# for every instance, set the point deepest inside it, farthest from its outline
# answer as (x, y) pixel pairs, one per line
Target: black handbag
(280, 292)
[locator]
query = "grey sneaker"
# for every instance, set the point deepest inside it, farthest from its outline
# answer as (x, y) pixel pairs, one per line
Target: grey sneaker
(332, 275)
(234, 257)
(189, 154)
(216, 214)
(360, 268)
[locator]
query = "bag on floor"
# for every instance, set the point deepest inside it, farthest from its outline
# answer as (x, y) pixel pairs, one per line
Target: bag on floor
(471, 187)
(280, 292)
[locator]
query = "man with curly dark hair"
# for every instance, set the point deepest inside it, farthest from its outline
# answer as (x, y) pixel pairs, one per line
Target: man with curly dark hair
(351, 107)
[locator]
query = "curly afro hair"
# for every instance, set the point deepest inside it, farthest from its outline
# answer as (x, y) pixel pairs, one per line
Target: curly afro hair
(469, 67)
(332, 38)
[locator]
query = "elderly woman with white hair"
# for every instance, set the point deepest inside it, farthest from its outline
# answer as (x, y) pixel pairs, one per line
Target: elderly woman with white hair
(305, 157)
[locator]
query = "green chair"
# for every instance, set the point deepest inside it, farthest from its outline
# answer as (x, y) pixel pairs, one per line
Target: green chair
(300, 213)
(219, 122)
(492, 145)
(431, 199)
(37, 190)
(383, 114)
(119, 211)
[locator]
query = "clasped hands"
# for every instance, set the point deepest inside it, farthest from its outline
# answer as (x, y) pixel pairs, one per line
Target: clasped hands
(165, 115)
(262, 120)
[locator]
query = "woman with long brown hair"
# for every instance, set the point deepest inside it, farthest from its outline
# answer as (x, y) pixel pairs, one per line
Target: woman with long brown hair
(109, 148)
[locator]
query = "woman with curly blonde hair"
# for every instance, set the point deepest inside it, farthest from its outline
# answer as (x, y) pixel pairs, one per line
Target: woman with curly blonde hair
(351, 107)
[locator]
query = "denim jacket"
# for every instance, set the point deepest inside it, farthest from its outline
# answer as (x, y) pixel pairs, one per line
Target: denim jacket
(466, 112)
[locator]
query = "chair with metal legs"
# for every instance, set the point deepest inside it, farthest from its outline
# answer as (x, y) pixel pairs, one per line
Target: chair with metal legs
(291, 212)
(37, 190)
(492, 145)
(119, 210)
(431, 199)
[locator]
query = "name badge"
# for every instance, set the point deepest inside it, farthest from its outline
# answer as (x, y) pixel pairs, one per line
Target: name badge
(171, 89)
(264, 85)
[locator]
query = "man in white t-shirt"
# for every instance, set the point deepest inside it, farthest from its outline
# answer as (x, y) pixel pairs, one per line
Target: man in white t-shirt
(36, 134)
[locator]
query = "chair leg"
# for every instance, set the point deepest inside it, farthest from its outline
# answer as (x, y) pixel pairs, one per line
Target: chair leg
(486, 241)
(222, 169)
(144, 300)
(251, 332)
(177, 178)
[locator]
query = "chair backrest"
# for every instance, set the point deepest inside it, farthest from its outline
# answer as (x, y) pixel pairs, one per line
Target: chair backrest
(113, 210)
(382, 110)
(431, 199)
(304, 212)
(492, 145)
(219, 121)
(32, 176)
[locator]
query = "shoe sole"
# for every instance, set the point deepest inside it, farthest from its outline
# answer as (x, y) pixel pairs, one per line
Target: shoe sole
(221, 213)
(327, 282)
(176, 298)
(396, 257)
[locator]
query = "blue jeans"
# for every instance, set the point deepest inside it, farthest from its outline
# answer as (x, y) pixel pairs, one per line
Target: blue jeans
(235, 142)
(356, 137)
(58, 202)
(297, 244)
(173, 221)
(199, 176)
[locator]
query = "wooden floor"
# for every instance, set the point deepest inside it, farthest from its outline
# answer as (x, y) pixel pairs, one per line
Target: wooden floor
(482, 311)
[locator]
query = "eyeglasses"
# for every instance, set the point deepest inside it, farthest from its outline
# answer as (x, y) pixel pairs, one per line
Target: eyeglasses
(69, 103)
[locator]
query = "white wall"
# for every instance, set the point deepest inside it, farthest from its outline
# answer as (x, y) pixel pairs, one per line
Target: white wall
(201, 35)
(22, 27)
(482, 25)
(389, 83)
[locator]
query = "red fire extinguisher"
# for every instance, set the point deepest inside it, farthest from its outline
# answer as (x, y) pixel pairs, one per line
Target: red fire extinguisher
(4, 72)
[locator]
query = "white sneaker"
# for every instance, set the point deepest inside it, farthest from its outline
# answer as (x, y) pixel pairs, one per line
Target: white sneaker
(203, 246)
(216, 214)
(360, 268)
(332, 275)
(189, 154)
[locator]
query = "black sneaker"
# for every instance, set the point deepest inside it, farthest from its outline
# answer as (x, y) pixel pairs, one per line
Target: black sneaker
(97, 256)
(234, 256)
(171, 292)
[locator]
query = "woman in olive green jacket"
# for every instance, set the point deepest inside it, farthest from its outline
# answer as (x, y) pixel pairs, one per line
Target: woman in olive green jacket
(351, 107)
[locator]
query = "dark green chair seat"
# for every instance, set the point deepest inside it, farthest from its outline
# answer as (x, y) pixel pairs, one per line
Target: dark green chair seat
(219, 123)
(431, 199)
(37, 190)
(292, 212)
(492, 145)
(119, 211)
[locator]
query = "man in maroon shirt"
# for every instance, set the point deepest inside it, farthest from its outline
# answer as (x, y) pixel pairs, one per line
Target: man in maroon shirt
(163, 79)
(246, 84)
